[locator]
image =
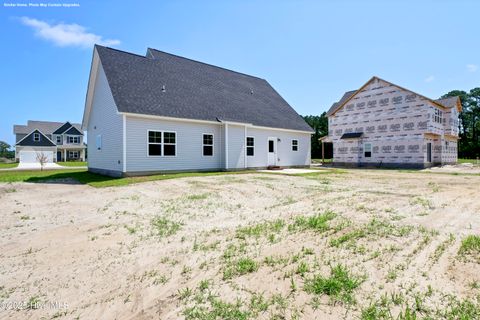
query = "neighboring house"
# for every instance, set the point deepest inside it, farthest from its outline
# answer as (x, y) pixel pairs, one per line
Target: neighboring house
(382, 124)
(58, 141)
(161, 112)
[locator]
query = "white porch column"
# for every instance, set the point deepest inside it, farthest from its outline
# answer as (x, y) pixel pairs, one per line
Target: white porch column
(65, 155)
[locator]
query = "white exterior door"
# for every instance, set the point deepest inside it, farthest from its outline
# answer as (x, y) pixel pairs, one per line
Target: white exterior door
(31, 156)
(272, 151)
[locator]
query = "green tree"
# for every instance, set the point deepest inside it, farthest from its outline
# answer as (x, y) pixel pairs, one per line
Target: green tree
(320, 125)
(4, 147)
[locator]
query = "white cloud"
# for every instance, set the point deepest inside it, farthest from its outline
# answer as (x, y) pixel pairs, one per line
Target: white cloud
(472, 67)
(429, 78)
(64, 35)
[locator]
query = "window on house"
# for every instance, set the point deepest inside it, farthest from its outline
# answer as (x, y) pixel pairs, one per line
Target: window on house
(161, 143)
(59, 139)
(208, 144)
(36, 137)
(368, 150)
(169, 144)
(250, 146)
(73, 154)
(154, 143)
(98, 142)
(73, 139)
(438, 116)
(294, 145)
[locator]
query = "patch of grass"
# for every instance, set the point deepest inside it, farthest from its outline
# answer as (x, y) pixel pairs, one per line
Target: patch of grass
(73, 164)
(470, 244)
(339, 285)
(260, 229)
(164, 227)
(239, 267)
(318, 222)
(218, 309)
(99, 181)
(460, 309)
(427, 204)
(195, 197)
(8, 165)
(348, 237)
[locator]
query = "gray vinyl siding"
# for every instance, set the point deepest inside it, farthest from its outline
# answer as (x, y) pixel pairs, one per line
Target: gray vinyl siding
(105, 121)
(285, 155)
(189, 145)
(236, 147)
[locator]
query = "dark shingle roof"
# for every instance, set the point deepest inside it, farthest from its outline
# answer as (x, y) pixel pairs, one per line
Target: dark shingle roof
(351, 135)
(345, 97)
(28, 141)
(46, 127)
(73, 131)
(449, 102)
(167, 85)
(63, 128)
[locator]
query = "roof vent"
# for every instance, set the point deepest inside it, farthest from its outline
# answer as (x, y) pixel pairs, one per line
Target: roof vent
(251, 91)
(163, 88)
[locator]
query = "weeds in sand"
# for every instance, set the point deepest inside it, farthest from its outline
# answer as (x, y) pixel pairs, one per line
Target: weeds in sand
(470, 244)
(239, 267)
(196, 197)
(318, 223)
(339, 285)
(164, 227)
(25, 217)
(260, 229)
(10, 190)
(435, 187)
(442, 247)
(33, 302)
(427, 204)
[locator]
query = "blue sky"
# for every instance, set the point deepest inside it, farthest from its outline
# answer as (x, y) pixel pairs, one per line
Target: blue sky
(310, 51)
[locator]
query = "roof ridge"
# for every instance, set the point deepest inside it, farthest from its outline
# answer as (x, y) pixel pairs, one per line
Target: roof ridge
(122, 51)
(204, 63)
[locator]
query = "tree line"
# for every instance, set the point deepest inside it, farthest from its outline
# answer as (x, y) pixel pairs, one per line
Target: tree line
(468, 126)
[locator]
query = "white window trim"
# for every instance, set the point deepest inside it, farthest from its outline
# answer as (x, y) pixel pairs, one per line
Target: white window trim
(365, 149)
(98, 142)
(203, 144)
(247, 146)
(162, 144)
(70, 152)
(295, 145)
(59, 139)
(73, 139)
(36, 137)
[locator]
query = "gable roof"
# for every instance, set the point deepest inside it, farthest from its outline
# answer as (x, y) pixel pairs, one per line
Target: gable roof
(445, 103)
(63, 128)
(46, 127)
(163, 84)
(73, 131)
(28, 140)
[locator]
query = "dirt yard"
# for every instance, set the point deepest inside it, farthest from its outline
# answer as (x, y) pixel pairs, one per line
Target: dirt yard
(355, 244)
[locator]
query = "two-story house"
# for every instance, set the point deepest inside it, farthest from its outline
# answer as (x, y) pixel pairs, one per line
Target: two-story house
(58, 141)
(383, 124)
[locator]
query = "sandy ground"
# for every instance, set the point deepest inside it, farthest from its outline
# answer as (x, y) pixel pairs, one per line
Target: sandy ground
(76, 252)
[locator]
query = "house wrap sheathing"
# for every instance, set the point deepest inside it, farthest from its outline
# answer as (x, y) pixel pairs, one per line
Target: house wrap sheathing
(383, 124)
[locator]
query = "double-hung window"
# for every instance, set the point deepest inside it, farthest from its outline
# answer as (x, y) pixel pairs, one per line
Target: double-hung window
(250, 146)
(59, 139)
(36, 137)
(162, 143)
(73, 139)
(208, 144)
(294, 145)
(368, 150)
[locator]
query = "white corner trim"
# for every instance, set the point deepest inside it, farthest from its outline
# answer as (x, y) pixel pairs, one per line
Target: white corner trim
(226, 146)
(124, 137)
(245, 148)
